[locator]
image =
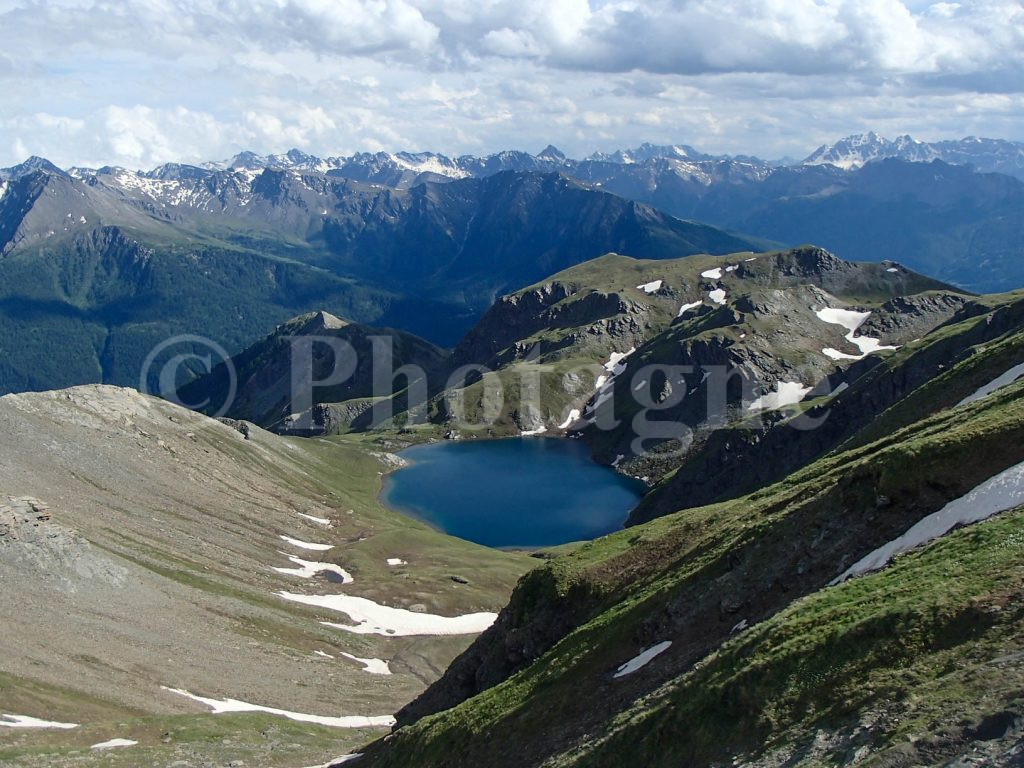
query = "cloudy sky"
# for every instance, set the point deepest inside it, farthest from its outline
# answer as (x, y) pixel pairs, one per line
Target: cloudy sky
(108, 82)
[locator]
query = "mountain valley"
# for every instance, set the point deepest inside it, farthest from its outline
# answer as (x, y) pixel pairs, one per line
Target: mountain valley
(825, 566)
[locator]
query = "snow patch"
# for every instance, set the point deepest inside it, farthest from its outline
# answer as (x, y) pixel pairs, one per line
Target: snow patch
(712, 274)
(851, 320)
(997, 494)
(222, 706)
(786, 393)
(652, 287)
(396, 561)
(605, 383)
(531, 432)
(308, 569)
(718, 296)
(307, 545)
(23, 721)
(373, 666)
(687, 307)
(338, 761)
(427, 163)
(997, 383)
(113, 744)
(615, 366)
(572, 418)
(642, 660)
(375, 619)
(318, 520)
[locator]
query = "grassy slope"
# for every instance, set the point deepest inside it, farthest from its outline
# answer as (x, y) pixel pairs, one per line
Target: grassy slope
(653, 582)
(109, 306)
(921, 652)
(334, 477)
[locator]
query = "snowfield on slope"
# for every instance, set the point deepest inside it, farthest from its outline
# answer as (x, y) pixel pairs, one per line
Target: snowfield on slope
(997, 383)
(318, 520)
(222, 706)
(372, 666)
(851, 320)
(642, 660)
(306, 545)
(997, 494)
(572, 418)
(786, 393)
(375, 619)
(23, 721)
(338, 761)
(308, 569)
(113, 744)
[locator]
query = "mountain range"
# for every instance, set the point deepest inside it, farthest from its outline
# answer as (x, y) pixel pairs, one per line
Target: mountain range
(408, 168)
(113, 261)
(114, 264)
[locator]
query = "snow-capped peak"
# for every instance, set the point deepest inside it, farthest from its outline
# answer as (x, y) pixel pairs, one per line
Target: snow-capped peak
(428, 162)
(859, 149)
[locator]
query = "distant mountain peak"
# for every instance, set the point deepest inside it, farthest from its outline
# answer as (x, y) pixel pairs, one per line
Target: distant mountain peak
(32, 164)
(248, 161)
(325, 321)
(858, 149)
(647, 152)
(551, 152)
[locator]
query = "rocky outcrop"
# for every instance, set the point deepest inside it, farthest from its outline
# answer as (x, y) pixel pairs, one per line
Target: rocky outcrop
(906, 318)
(263, 383)
(31, 540)
(18, 516)
(582, 313)
(732, 462)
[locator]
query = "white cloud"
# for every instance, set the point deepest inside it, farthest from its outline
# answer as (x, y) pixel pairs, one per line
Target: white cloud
(89, 81)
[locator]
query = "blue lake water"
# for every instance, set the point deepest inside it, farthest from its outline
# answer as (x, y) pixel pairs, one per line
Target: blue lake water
(530, 492)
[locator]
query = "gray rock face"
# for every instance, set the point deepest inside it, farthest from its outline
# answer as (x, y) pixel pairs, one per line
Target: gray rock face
(498, 338)
(264, 374)
(31, 541)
